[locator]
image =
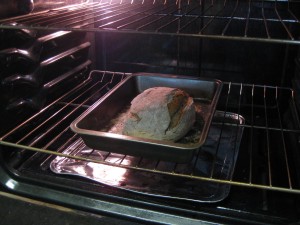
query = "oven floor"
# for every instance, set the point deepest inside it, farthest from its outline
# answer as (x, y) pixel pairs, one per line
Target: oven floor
(20, 210)
(242, 204)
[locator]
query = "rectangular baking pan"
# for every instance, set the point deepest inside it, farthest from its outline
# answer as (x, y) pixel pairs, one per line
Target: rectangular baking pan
(94, 124)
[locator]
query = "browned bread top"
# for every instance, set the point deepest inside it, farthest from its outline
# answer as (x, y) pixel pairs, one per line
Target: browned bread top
(160, 113)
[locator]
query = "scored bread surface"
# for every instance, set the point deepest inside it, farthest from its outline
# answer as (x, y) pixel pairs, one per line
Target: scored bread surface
(160, 113)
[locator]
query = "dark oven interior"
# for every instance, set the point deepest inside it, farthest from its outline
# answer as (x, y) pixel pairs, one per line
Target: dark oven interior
(59, 58)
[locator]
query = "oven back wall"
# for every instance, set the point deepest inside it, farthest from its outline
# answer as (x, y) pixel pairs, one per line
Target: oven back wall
(250, 62)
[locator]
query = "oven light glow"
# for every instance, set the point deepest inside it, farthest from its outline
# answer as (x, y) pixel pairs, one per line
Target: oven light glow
(11, 184)
(111, 174)
(224, 208)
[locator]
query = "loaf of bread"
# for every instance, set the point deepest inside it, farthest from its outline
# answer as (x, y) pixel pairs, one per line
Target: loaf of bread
(160, 113)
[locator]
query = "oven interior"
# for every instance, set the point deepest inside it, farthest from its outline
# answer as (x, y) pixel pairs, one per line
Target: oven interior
(59, 59)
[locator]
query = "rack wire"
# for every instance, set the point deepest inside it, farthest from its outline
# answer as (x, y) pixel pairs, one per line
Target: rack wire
(247, 20)
(267, 134)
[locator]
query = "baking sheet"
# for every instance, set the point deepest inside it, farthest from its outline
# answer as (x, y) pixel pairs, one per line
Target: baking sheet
(220, 149)
(94, 125)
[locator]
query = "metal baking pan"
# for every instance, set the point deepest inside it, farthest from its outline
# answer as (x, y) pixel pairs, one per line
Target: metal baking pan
(96, 125)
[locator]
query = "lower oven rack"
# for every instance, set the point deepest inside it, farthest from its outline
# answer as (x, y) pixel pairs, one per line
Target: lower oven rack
(267, 145)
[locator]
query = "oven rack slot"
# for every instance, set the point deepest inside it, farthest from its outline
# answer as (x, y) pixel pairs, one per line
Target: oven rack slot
(246, 20)
(266, 136)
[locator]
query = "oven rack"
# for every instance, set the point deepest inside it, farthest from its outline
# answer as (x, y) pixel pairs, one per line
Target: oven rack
(246, 20)
(264, 104)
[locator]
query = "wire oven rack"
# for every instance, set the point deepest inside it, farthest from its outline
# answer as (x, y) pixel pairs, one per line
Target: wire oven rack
(262, 106)
(248, 20)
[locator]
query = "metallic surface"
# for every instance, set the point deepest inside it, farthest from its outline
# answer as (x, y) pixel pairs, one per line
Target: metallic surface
(92, 125)
(240, 19)
(158, 185)
(262, 103)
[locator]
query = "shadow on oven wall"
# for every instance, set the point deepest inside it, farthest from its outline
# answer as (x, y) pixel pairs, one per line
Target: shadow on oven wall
(232, 61)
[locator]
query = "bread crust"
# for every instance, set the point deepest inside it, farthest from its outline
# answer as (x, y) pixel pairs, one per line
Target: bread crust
(160, 113)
